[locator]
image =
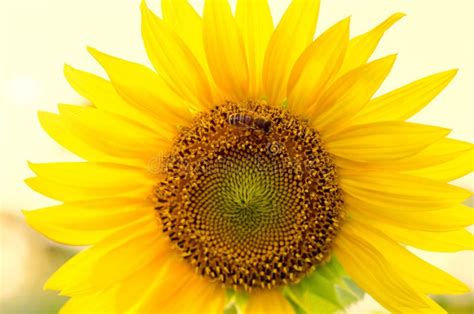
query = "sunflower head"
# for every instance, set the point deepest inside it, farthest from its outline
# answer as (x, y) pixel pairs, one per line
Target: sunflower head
(252, 168)
(250, 197)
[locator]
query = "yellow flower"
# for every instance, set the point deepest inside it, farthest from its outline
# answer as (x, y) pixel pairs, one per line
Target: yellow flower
(249, 166)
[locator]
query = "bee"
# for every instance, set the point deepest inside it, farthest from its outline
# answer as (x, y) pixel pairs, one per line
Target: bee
(243, 120)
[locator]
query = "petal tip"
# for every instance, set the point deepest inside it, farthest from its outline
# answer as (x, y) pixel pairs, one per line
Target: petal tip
(26, 214)
(399, 15)
(346, 23)
(392, 56)
(96, 54)
(395, 17)
(444, 131)
(43, 116)
(28, 181)
(30, 220)
(450, 74)
(49, 285)
(144, 8)
(32, 166)
(67, 69)
(29, 216)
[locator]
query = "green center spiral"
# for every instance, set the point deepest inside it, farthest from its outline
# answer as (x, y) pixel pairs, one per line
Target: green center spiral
(247, 206)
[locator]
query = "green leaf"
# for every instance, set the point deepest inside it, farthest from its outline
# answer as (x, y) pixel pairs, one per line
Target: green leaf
(345, 296)
(358, 292)
(325, 288)
(229, 295)
(296, 307)
(321, 305)
(231, 310)
(241, 299)
(236, 301)
(328, 289)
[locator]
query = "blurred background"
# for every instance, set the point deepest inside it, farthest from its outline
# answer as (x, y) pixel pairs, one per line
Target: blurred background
(38, 36)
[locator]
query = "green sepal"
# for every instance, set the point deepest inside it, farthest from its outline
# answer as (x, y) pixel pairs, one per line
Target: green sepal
(231, 309)
(328, 289)
(236, 301)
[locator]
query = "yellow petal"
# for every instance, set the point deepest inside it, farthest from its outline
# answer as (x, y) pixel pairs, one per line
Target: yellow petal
(93, 175)
(115, 135)
(441, 220)
(76, 181)
(446, 241)
(450, 170)
(404, 102)
(268, 301)
(361, 47)
(101, 302)
(292, 35)
(174, 60)
(174, 274)
(316, 65)
(58, 129)
(103, 95)
(205, 296)
(67, 193)
(377, 275)
(178, 289)
(86, 222)
(399, 191)
(184, 20)
(255, 22)
(348, 95)
(145, 90)
(383, 141)
(110, 261)
(225, 50)
(444, 151)
(421, 275)
(132, 290)
(181, 16)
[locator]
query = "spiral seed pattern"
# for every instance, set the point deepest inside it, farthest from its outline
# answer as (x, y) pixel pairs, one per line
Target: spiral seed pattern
(248, 207)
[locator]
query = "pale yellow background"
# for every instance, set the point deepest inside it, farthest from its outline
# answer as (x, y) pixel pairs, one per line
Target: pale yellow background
(38, 36)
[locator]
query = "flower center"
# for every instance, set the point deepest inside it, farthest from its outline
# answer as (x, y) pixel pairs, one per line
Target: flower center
(249, 196)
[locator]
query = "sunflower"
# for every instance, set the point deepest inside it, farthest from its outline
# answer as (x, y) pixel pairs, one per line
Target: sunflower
(253, 170)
